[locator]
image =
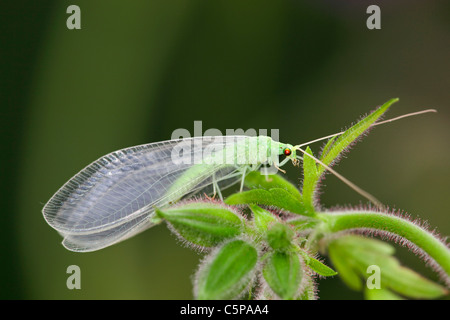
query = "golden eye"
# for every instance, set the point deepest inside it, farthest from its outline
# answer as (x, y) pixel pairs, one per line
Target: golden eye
(287, 152)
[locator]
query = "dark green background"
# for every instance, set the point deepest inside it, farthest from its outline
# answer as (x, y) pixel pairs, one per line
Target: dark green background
(140, 69)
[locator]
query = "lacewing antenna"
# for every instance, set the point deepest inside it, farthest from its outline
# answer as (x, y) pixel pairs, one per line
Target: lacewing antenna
(362, 192)
(373, 125)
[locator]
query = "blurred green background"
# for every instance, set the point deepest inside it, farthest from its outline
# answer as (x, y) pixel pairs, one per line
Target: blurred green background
(139, 69)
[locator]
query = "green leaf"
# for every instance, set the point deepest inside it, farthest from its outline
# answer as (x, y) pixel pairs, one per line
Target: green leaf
(309, 290)
(202, 223)
(401, 227)
(397, 278)
(319, 268)
(336, 147)
(226, 272)
(275, 197)
(256, 180)
(380, 294)
(366, 244)
(360, 253)
(283, 273)
(303, 223)
(279, 237)
(344, 267)
(327, 147)
(411, 284)
(311, 176)
(262, 218)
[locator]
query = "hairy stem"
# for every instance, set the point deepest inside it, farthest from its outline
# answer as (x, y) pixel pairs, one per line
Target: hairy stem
(423, 239)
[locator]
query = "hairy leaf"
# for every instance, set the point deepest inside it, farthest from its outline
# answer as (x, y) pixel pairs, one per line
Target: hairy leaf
(360, 254)
(319, 268)
(279, 237)
(341, 143)
(283, 273)
(202, 223)
(226, 272)
(310, 177)
(262, 218)
(275, 197)
(256, 180)
(303, 223)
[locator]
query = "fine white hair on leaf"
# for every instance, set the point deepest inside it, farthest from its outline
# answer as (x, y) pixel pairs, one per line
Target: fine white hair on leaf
(309, 283)
(207, 259)
(389, 236)
(197, 199)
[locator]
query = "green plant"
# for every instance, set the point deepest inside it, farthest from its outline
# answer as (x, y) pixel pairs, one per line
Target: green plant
(265, 243)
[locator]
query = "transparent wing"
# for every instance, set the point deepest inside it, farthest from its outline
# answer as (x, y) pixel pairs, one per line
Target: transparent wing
(95, 240)
(114, 197)
(99, 240)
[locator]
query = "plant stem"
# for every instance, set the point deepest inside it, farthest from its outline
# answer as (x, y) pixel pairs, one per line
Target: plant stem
(340, 221)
